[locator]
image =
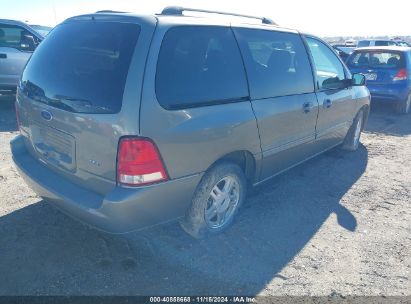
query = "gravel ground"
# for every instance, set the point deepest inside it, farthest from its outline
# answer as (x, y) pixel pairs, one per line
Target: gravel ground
(339, 224)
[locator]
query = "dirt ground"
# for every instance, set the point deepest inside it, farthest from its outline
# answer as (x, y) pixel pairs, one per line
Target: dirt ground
(339, 224)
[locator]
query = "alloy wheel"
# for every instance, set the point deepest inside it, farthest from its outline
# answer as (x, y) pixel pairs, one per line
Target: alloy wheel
(222, 202)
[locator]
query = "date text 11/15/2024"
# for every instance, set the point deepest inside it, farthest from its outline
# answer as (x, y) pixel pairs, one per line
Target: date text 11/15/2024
(203, 299)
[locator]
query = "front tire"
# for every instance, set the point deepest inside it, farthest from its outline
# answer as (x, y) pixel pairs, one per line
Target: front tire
(404, 107)
(216, 201)
(352, 140)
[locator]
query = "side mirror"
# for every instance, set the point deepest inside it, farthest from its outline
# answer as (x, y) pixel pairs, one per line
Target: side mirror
(28, 43)
(358, 79)
(334, 83)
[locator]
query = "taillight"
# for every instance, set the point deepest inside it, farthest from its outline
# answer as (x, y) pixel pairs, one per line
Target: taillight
(139, 162)
(17, 115)
(401, 75)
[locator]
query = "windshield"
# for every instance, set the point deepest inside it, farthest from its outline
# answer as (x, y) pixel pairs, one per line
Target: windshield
(376, 59)
(82, 66)
(345, 49)
(42, 30)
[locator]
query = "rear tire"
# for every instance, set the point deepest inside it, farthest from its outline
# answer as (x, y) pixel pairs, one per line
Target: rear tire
(216, 201)
(404, 107)
(352, 140)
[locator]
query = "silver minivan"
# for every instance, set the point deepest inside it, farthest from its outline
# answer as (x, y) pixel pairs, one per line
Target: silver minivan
(18, 40)
(129, 121)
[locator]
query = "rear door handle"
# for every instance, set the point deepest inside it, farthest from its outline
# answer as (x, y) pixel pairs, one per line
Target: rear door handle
(307, 107)
(327, 103)
(3, 56)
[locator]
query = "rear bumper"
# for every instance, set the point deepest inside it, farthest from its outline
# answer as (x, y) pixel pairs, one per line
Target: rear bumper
(389, 93)
(122, 210)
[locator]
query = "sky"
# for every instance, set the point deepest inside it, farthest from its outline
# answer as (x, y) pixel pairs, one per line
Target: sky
(319, 17)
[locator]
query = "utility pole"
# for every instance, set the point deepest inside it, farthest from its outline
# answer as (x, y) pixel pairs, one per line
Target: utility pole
(54, 11)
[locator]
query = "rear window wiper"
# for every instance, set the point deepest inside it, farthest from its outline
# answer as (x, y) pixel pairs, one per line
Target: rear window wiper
(63, 102)
(78, 104)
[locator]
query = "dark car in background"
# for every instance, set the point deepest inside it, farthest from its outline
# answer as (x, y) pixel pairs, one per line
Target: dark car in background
(387, 70)
(343, 51)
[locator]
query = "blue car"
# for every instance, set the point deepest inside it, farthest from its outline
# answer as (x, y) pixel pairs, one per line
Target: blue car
(388, 74)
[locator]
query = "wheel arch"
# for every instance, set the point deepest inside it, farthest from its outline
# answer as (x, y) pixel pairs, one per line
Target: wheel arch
(244, 159)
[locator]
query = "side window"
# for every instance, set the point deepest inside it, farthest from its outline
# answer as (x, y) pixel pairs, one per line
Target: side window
(329, 70)
(199, 65)
(382, 43)
(363, 43)
(277, 63)
(16, 37)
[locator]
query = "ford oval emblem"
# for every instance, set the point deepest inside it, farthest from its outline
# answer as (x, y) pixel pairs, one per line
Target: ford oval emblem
(46, 115)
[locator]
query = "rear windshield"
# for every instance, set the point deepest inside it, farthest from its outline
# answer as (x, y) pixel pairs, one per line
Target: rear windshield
(376, 59)
(82, 66)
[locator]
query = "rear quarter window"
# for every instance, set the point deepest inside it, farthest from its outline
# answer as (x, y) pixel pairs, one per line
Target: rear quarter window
(198, 66)
(82, 66)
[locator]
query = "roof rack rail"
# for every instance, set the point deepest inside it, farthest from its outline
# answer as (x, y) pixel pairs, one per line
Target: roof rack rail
(109, 11)
(178, 11)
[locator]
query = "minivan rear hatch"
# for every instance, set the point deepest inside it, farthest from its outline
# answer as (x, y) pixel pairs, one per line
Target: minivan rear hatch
(70, 98)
